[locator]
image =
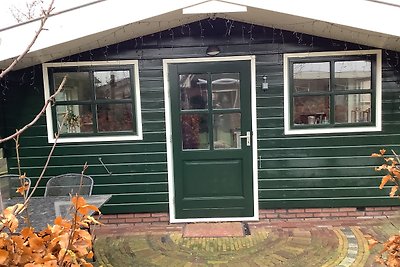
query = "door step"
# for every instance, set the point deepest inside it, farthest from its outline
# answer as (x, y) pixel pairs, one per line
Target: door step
(217, 229)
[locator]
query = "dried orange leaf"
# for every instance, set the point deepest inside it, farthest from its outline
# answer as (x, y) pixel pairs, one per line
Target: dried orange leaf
(27, 232)
(393, 190)
(78, 201)
(382, 151)
(84, 210)
(372, 242)
(3, 256)
(385, 179)
(376, 155)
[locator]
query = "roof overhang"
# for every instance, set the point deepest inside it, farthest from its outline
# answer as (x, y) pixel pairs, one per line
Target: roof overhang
(357, 21)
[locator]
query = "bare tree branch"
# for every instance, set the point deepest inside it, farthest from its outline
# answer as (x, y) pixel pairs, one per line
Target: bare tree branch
(37, 117)
(46, 15)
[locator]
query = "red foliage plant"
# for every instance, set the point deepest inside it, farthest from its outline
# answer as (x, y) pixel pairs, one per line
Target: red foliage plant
(66, 243)
(390, 253)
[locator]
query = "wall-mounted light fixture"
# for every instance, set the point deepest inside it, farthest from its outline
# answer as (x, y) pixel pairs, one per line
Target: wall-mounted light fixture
(213, 50)
(264, 85)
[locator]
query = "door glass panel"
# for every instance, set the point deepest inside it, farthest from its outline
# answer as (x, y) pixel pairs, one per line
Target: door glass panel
(193, 91)
(74, 118)
(77, 86)
(195, 131)
(112, 84)
(353, 75)
(226, 130)
(353, 108)
(311, 109)
(225, 90)
(311, 77)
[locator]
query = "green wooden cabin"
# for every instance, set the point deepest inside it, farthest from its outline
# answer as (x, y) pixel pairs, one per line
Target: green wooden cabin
(214, 118)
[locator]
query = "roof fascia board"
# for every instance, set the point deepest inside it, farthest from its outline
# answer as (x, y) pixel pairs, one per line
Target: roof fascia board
(360, 14)
(67, 26)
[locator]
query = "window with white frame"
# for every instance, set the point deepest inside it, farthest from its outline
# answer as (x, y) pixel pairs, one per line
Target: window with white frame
(100, 101)
(332, 92)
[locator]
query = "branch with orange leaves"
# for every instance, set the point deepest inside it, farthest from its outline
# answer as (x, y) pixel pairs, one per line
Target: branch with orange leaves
(45, 16)
(37, 117)
(391, 166)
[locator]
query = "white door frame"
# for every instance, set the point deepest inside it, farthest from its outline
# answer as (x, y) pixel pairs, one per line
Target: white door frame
(168, 126)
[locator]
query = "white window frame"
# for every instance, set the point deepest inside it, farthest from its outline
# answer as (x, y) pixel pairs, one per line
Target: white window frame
(77, 139)
(378, 99)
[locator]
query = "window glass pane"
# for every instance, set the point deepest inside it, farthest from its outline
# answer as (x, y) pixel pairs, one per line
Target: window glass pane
(112, 84)
(78, 119)
(226, 130)
(193, 91)
(77, 86)
(114, 117)
(311, 109)
(195, 131)
(225, 90)
(352, 75)
(311, 77)
(353, 108)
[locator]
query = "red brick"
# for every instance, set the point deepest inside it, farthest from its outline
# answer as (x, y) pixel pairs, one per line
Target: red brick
(151, 219)
(313, 219)
(133, 220)
(313, 210)
(116, 221)
(339, 214)
(271, 216)
(106, 216)
(159, 215)
(373, 213)
(267, 211)
(160, 224)
(356, 213)
(305, 215)
(285, 216)
(129, 215)
(281, 211)
(164, 219)
(330, 210)
(347, 209)
(296, 211)
(322, 214)
(142, 215)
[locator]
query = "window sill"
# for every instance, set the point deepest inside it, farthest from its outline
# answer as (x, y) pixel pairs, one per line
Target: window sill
(333, 130)
(88, 139)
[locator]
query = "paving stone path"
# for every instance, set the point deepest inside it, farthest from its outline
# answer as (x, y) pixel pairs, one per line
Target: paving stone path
(317, 246)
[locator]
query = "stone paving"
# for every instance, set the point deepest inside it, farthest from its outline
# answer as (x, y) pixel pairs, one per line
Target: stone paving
(302, 245)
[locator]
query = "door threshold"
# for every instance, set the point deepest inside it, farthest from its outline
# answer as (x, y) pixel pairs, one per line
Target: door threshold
(210, 220)
(215, 229)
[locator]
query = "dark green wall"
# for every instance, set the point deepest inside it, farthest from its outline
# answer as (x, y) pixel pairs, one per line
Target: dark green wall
(295, 171)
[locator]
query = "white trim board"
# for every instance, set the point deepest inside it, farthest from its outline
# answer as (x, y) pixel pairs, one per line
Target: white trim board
(378, 93)
(138, 113)
(168, 126)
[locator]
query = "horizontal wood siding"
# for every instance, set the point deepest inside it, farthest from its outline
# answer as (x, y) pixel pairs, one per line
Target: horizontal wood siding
(326, 170)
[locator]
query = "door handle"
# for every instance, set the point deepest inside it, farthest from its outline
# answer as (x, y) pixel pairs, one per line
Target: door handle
(247, 137)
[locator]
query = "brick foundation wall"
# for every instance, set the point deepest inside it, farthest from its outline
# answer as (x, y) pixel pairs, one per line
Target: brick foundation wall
(266, 216)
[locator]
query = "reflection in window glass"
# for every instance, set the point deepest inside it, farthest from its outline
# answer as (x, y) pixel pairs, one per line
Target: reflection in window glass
(195, 131)
(74, 119)
(226, 130)
(353, 108)
(311, 110)
(311, 77)
(112, 84)
(76, 87)
(193, 91)
(225, 90)
(114, 117)
(352, 75)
